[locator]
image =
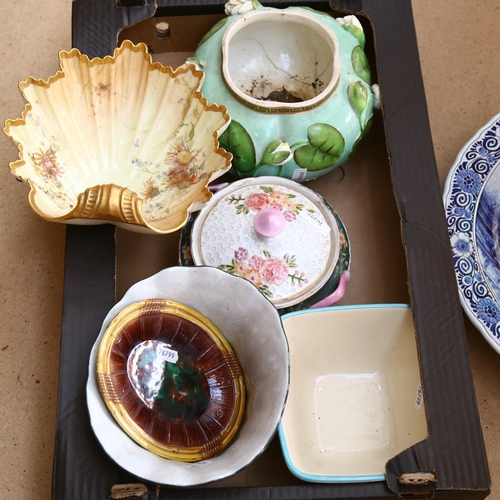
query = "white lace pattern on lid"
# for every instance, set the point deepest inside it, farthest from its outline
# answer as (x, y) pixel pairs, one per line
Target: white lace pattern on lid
(287, 268)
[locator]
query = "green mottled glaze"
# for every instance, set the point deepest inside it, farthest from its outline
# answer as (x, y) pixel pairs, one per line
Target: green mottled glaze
(321, 138)
(184, 394)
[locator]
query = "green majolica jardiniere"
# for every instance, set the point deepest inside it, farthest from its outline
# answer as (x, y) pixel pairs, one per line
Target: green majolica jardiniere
(296, 83)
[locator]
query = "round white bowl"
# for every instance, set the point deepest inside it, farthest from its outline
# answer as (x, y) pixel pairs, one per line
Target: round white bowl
(252, 325)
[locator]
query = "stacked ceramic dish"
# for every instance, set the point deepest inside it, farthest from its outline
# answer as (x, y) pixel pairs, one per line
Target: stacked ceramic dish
(198, 381)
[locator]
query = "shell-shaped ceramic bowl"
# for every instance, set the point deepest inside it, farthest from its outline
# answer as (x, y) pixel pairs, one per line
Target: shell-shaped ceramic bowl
(252, 326)
(171, 380)
(119, 140)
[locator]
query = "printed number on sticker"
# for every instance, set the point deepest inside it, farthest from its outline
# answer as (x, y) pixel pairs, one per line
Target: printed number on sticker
(168, 355)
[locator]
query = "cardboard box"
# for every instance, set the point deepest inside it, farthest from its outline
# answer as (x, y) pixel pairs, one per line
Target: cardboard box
(389, 199)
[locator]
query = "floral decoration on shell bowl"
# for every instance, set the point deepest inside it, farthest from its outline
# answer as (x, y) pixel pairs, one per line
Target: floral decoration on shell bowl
(119, 140)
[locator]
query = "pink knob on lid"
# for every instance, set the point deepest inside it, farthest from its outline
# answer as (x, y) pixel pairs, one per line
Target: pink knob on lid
(269, 222)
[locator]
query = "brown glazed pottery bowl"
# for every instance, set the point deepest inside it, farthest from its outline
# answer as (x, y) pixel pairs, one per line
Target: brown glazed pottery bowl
(171, 380)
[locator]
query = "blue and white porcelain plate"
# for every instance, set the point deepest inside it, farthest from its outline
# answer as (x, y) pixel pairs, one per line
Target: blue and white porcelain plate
(472, 203)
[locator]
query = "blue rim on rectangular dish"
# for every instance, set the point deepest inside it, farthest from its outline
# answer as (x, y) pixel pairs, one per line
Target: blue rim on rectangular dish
(355, 399)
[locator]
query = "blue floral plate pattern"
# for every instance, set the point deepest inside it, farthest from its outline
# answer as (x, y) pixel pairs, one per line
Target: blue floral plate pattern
(472, 204)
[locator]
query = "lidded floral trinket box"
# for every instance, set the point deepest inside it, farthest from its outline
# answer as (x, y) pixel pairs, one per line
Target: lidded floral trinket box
(296, 83)
(278, 234)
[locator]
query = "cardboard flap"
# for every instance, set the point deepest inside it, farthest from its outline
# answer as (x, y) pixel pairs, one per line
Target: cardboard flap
(89, 293)
(447, 381)
(96, 25)
(453, 421)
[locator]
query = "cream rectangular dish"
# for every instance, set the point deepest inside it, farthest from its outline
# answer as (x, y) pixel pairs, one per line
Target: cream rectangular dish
(355, 398)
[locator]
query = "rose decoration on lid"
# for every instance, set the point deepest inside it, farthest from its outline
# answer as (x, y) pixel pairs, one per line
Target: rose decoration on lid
(277, 234)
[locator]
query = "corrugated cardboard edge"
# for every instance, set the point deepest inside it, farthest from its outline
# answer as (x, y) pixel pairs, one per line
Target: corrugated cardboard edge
(97, 25)
(453, 419)
(89, 293)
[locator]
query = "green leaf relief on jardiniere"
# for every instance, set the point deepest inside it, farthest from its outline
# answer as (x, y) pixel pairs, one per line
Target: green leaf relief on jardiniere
(363, 133)
(358, 97)
(216, 27)
(355, 31)
(237, 141)
(326, 145)
(276, 153)
(279, 157)
(268, 156)
(360, 64)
